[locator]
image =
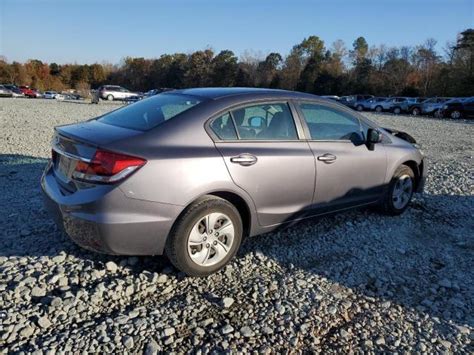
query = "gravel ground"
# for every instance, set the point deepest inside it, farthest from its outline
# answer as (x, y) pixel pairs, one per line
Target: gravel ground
(355, 281)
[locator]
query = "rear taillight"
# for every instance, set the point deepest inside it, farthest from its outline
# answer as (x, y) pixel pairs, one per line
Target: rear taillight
(107, 167)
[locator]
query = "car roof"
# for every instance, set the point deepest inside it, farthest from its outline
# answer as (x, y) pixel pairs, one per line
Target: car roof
(220, 92)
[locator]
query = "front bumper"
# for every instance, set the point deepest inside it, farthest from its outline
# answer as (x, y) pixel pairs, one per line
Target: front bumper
(103, 219)
(422, 179)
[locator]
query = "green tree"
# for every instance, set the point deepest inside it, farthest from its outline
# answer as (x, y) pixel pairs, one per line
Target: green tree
(199, 68)
(268, 70)
(224, 69)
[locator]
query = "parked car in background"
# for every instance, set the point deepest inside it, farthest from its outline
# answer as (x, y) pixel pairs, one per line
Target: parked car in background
(367, 104)
(4, 92)
(50, 94)
(458, 108)
(72, 96)
(433, 105)
(28, 92)
(355, 101)
(412, 105)
(398, 103)
(132, 99)
(116, 185)
(114, 92)
(391, 104)
(16, 92)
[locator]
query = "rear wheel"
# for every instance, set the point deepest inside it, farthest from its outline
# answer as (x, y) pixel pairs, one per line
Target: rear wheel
(400, 191)
(378, 109)
(110, 97)
(360, 108)
(397, 110)
(415, 111)
(205, 237)
(456, 115)
(438, 114)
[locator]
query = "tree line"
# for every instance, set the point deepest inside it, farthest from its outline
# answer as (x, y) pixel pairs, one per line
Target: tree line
(311, 66)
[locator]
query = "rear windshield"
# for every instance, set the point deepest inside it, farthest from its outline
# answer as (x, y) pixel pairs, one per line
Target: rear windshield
(149, 113)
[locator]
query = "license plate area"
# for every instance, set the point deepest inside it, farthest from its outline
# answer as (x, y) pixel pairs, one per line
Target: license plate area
(64, 167)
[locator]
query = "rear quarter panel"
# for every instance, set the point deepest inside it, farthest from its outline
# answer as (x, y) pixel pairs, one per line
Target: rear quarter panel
(183, 163)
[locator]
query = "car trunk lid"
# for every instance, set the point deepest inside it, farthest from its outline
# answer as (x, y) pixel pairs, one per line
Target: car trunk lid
(77, 143)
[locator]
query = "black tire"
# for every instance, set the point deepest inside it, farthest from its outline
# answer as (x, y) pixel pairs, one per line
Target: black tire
(360, 108)
(397, 110)
(415, 111)
(176, 248)
(388, 204)
(378, 109)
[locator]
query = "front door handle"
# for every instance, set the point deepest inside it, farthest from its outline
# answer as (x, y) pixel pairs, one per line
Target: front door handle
(244, 159)
(327, 158)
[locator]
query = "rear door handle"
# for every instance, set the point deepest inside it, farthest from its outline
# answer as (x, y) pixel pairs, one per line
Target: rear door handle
(327, 158)
(244, 159)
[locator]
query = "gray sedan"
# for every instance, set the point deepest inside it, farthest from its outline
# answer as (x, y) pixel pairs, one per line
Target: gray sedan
(190, 173)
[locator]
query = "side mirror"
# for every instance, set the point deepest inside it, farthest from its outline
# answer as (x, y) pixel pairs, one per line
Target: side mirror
(373, 136)
(256, 122)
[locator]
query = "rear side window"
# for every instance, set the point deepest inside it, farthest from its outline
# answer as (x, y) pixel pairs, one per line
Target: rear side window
(271, 121)
(326, 123)
(265, 122)
(224, 128)
(149, 113)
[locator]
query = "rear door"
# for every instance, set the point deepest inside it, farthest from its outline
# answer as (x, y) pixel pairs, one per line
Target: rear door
(347, 172)
(264, 155)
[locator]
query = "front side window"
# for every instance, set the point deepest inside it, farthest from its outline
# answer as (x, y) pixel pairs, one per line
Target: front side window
(147, 114)
(327, 123)
(271, 121)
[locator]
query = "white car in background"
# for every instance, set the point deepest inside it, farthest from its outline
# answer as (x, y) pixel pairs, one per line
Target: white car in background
(115, 92)
(50, 94)
(4, 92)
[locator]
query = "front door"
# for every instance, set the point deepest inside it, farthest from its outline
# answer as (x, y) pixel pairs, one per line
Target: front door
(261, 149)
(469, 108)
(347, 172)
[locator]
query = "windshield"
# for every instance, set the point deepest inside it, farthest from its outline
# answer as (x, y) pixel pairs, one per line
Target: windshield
(149, 113)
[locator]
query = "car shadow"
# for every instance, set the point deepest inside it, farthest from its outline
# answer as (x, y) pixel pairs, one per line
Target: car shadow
(352, 250)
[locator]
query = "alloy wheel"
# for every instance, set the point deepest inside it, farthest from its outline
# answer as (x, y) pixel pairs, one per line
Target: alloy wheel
(211, 239)
(402, 191)
(455, 115)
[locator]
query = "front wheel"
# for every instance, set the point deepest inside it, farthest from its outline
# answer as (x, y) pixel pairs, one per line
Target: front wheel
(110, 98)
(360, 108)
(456, 115)
(397, 110)
(378, 109)
(416, 111)
(205, 237)
(400, 191)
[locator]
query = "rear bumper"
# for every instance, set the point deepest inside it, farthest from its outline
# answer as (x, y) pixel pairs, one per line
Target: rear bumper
(104, 220)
